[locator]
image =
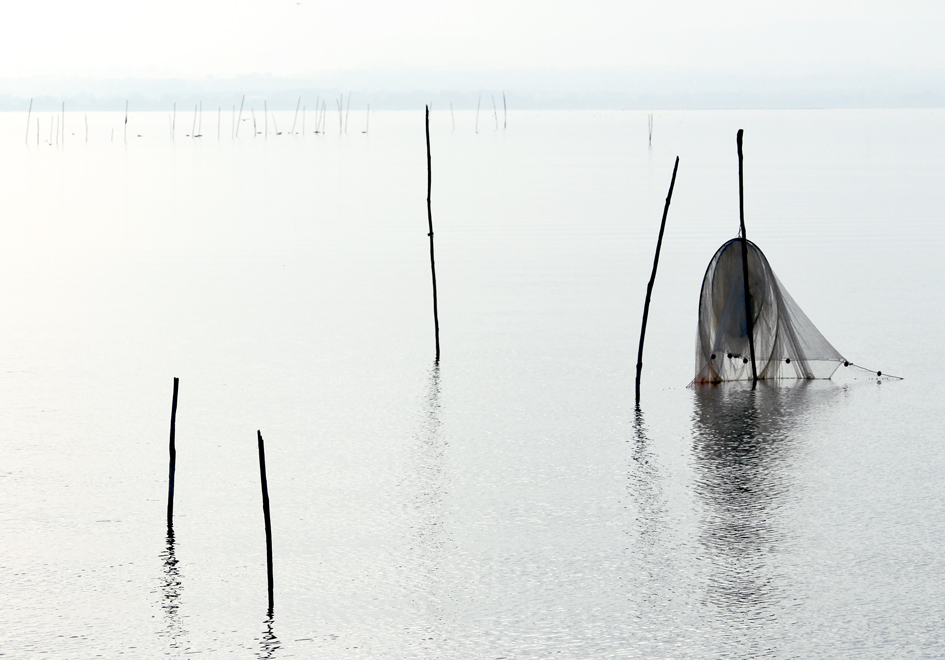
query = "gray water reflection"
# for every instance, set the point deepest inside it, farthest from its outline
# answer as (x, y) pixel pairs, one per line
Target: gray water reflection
(268, 643)
(431, 539)
(746, 446)
(171, 588)
(646, 492)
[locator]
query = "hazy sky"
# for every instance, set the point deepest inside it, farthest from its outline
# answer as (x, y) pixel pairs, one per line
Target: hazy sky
(195, 39)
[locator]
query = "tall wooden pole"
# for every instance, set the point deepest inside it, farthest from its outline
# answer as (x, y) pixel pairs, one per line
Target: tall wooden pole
(649, 286)
(173, 463)
(436, 320)
(265, 499)
(749, 320)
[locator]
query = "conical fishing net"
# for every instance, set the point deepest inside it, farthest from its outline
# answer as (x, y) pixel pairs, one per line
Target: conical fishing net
(787, 345)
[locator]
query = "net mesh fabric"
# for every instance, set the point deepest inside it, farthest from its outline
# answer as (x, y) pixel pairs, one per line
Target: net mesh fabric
(787, 345)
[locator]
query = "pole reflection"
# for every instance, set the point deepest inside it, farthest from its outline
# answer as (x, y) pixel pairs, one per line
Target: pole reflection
(171, 588)
(432, 538)
(268, 642)
(646, 492)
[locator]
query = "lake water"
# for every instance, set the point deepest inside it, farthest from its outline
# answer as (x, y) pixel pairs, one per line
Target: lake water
(509, 502)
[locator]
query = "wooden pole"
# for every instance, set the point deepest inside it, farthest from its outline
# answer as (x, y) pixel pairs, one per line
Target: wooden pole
(649, 286)
(436, 320)
(265, 498)
(347, 110)
(173, 465)
(749, 320)
(296, 118)
(28, 113)
(240, 116)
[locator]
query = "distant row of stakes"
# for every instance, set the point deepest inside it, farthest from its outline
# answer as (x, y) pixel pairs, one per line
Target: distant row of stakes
(57, 121)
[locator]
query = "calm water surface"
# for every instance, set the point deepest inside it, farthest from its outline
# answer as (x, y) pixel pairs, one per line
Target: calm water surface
(510, 502)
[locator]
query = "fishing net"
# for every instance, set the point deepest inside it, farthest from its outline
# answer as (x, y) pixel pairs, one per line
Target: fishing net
(787, 345)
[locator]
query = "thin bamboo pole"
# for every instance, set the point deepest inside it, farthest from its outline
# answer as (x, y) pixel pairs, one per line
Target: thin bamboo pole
(265, 499)
(28, 113)
(347, 110)
(173, 463)
(749, 320)
(649, 286)
(436, 320)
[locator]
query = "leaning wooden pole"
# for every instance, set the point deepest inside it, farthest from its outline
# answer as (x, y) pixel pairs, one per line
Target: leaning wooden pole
(436, 320)
(649, 286)
(173, 462)
(749, 320)
(265, 499)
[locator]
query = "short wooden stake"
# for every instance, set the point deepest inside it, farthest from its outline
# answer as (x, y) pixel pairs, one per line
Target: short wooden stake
(296, 118)
(173, 465)
(265, 499)
(649, 286)
(436, 320)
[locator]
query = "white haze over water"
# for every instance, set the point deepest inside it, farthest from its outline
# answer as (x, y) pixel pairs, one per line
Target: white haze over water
(609, 53)
(510, 503)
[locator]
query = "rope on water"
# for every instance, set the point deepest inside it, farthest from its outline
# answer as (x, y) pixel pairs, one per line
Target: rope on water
(877, 374)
